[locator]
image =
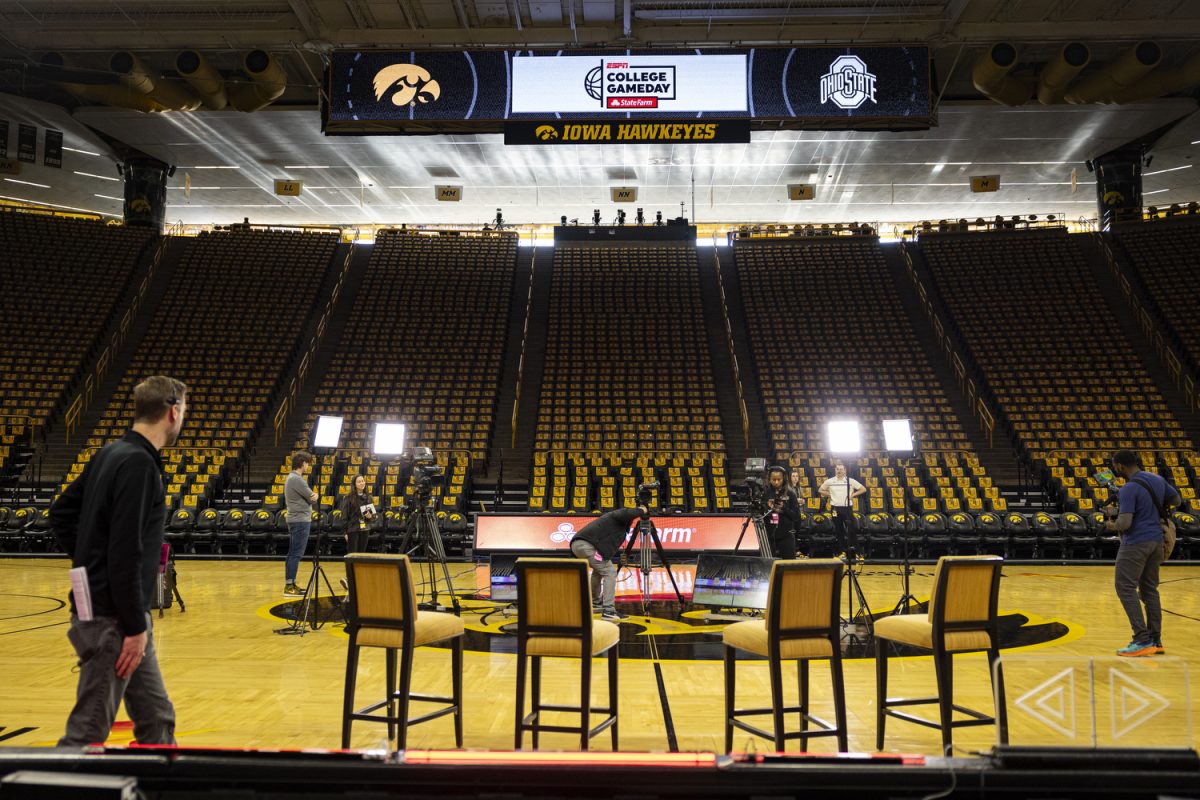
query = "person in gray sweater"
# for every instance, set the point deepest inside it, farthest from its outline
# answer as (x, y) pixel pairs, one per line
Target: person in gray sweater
(300, 500)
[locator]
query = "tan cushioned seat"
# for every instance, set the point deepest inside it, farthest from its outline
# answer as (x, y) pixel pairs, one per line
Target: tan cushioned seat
(918, 630)
(604, 636)
(751, 636)
(431, 627)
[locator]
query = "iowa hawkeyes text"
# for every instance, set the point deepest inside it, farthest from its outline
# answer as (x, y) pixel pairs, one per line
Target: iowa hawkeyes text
(634, 132)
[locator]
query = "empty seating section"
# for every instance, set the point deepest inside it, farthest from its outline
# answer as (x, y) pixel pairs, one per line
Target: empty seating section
(627, 393)
(942, 482)
(423, 345)
(1039, 328)
(62, 278)
(229, 322)
(831, 340)
(1161, 253)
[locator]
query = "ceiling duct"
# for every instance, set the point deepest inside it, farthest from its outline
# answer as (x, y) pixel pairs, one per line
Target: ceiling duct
(991, 76)
(1162, 82)
(132, 72)
(203, 78)
(1129, 68)
(1057, 75)
(267, 82)
(108, 94)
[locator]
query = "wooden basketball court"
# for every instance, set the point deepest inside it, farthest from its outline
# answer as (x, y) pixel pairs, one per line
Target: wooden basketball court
(236, 683)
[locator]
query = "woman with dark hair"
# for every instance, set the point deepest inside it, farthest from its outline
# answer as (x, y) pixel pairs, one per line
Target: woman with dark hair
(358, 510)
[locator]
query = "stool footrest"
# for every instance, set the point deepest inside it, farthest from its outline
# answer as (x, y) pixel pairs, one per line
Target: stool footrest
(575, 709)
(977, 718)
(825, 730)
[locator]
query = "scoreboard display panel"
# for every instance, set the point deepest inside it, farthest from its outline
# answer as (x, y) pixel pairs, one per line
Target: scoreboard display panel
(436, 91)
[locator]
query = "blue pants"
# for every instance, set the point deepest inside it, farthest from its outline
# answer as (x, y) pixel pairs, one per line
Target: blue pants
(297, 541)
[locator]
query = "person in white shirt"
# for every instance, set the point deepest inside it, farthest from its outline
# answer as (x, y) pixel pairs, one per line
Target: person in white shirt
(842, 490)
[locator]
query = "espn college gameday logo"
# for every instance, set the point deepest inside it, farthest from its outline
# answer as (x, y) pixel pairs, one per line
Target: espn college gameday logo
(617, 84)
(847, 84)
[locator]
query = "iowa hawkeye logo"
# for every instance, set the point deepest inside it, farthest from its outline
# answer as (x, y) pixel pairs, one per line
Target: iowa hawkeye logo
(412, 84)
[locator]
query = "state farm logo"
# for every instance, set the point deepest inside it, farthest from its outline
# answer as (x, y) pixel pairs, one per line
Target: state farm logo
(676, 535)
(563, 533)
(618, 84)
(847, 84)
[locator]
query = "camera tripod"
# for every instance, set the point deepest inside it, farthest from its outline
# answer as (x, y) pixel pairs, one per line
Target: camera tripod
(907, 599)
(760, 530)
(422, 540)
(863, 614)
(310, 614)
(646, 530)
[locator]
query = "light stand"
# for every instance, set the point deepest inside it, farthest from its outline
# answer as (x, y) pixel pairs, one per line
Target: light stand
(324, 438)
(844, 439)
(899, 440)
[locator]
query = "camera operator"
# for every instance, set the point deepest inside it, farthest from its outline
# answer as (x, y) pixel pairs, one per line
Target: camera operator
(1140, 525)
(599, 543)
(783, 514)
(842, 490)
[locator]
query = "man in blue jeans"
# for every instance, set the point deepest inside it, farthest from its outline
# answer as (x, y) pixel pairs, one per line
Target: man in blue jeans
(1141, 550)
(300, 499)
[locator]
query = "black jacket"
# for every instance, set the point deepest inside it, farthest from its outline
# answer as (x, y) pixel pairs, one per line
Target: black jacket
(789, 515)
(352, 509)
(607, 532)
(111, 521)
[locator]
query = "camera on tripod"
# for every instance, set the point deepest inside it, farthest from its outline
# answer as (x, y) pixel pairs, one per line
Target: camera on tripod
(646, 493)
(424, 470)
(756, 475)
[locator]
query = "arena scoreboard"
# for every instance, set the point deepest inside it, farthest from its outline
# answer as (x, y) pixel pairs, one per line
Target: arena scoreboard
(550, 97)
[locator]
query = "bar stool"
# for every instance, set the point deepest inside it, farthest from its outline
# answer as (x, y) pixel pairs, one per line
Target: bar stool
(962, 618)
(554, 618)
(382, 612)
(801, 624)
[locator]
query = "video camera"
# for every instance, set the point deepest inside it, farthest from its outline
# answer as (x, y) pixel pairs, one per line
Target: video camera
(756, 476)
(646, 492)
(425, 469)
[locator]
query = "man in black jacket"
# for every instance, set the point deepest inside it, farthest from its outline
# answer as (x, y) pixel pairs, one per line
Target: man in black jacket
(111, 522)
(783, 514)
(599, 543)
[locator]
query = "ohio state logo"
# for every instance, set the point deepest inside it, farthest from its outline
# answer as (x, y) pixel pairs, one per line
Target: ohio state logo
(847, 84)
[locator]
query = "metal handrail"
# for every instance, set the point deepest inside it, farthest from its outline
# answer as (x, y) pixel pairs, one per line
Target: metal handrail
(524, 344)
(975, 403)
(287, 403)
(1185, 382)
(737, 375)
(95, 375)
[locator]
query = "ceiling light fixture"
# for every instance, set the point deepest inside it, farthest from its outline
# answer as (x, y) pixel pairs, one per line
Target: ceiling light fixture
(110, 197)
(1169, 169)
(94, 175)
(27, 183)
(300, 166)
(90, 153)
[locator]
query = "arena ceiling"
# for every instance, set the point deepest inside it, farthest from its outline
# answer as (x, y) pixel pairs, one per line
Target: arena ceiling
(231, 159)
